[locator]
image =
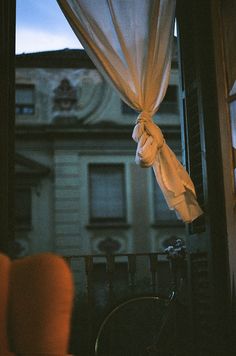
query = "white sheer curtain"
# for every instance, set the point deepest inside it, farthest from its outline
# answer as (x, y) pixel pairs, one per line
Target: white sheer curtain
(130, 42)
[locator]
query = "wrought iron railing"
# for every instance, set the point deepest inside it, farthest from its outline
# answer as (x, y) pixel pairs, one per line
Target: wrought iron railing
(103, 281)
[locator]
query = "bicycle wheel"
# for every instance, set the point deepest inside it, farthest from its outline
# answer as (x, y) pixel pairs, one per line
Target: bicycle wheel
(133, 329)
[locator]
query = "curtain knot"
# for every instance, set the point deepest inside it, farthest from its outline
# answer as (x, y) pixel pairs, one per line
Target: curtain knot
(143, 117)
(149, 138)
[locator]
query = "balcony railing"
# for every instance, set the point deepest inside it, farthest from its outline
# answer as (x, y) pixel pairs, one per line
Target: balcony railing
(104, 281)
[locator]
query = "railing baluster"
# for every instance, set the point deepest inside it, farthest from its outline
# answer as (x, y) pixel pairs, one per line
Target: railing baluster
(88, 260)
(89, 269)
(153, 260)
(132, 270)
(110, 268)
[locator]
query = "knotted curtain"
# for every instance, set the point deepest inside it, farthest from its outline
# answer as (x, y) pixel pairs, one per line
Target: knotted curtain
(130, 42)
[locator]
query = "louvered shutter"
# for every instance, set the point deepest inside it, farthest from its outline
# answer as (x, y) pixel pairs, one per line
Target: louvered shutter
(205, 243)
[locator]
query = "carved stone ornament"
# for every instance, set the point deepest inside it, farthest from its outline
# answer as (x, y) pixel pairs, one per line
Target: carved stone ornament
(65, 97)
(109, 245)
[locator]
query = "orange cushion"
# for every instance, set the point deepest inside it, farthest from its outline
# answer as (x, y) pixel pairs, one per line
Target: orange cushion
(41, 298)
(5, 265)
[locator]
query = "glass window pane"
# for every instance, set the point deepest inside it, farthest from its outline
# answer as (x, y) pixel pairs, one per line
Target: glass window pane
(24, 100)
(24, 95)
(107, 192)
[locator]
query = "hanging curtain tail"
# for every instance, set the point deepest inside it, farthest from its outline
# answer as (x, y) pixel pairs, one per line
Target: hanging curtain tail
(130, 42)
(181, 195)
(174, 181)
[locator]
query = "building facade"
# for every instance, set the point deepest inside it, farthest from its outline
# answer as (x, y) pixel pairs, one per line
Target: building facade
(78, 189)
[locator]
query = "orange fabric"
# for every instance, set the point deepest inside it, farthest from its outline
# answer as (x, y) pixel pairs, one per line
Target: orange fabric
(41, 297)
(5, 265)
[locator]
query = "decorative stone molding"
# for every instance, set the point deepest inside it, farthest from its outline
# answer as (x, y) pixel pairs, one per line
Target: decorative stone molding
(109, 245)
(80, 98)
(65, 97)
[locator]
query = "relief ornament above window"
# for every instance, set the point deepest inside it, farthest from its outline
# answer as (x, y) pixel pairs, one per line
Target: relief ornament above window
(65, 97)
(85, 100)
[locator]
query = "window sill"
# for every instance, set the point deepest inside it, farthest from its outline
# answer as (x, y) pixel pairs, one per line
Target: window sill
(167, 223)
(107, 225)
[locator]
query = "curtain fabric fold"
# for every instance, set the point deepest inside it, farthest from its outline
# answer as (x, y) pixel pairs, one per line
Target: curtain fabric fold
(130, 42)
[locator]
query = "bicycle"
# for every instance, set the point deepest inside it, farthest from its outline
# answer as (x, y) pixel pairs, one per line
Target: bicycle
(144, 326)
